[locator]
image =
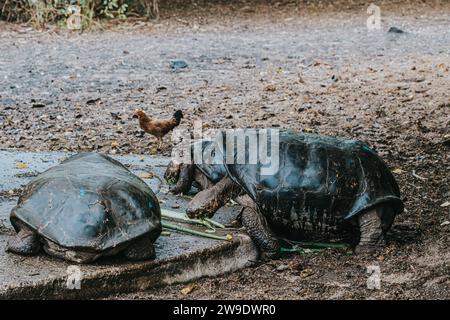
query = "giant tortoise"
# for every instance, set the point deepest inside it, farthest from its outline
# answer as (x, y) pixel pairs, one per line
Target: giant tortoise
(87, 207)
(322, 184)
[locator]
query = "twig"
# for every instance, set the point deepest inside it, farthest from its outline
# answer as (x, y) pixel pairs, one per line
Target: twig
(415, 175)
(300, 250)
(317, 245)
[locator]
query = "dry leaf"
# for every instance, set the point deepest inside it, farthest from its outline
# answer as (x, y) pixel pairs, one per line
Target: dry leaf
(445, 204)
(21, 165)
(114, 144)
(187, 290)
(146, 175)
(445, 223)
(398, 171)
(306, 273)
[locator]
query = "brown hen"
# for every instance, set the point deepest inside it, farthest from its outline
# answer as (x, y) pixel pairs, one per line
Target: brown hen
(158, 127)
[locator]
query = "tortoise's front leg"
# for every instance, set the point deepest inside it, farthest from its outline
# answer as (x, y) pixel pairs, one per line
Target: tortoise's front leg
(185, 179)
(373, 226)
(208, 201)
(26, 242)
(257, 227)
(201, 180)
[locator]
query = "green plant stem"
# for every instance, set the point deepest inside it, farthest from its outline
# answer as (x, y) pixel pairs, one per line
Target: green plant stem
(193, 232)
(319, 245)
(182, 217)
(300, 250)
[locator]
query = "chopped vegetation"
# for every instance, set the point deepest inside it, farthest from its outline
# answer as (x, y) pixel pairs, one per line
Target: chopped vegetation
(179, 216)
(170, 226)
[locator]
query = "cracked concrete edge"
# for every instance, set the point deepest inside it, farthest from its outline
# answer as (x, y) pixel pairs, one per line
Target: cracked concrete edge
(127, 278)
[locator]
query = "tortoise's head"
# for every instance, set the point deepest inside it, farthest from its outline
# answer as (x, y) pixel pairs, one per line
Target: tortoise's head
(172, 173)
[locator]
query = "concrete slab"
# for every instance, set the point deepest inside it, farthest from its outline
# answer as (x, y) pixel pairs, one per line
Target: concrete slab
(179, 257)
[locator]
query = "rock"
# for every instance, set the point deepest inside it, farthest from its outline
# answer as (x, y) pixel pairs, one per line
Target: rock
(294, 279)
(395, 30)
(92, 101)
(281, 267)
(176, 65)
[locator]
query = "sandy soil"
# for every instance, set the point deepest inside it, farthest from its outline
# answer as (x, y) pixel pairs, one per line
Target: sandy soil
(295, 65)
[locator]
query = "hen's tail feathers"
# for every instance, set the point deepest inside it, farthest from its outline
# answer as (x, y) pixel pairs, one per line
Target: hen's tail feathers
(178, 115)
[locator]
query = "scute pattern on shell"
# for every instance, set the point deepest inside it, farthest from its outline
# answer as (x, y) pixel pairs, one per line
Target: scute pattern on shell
(89, 201)
(321, 182)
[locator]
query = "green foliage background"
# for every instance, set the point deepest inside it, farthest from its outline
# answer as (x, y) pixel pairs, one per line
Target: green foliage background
(41, 12)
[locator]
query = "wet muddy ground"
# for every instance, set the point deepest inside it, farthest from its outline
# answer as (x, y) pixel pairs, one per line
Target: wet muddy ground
(314, 68)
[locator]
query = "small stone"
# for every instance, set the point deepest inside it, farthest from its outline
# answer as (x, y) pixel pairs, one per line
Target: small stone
(294, 279)
(445, 204)
(281, 267)
(178, 64)
(395, 30)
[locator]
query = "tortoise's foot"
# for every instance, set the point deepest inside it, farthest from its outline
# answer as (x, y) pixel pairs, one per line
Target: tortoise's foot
(372, 231)
(142, 249)
(257, 227)
(26, 242)
(201, 180)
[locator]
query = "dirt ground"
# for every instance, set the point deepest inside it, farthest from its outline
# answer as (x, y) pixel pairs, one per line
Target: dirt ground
(313, 67)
